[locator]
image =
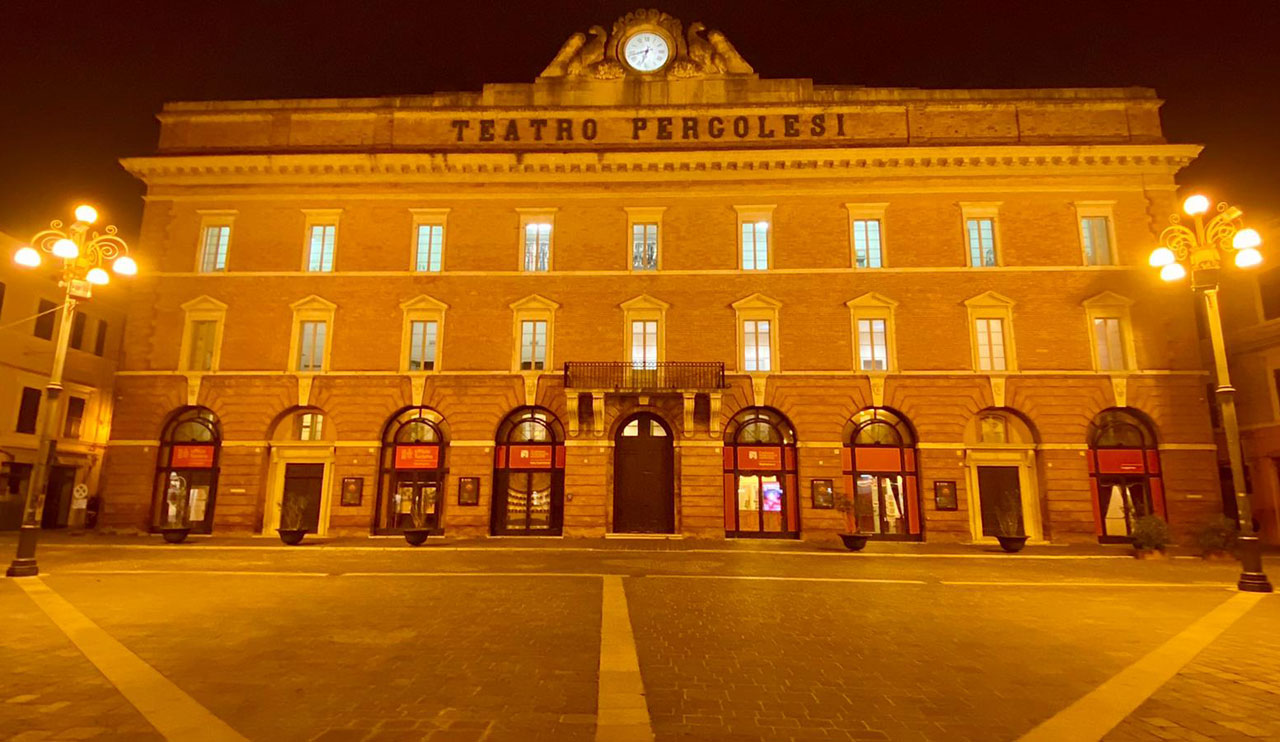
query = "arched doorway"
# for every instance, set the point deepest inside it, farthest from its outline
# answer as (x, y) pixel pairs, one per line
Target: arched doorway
(880, 474)
(1124, 473)
(186, 484)
(644, 476)
(412, 472)
(528, 475)
(300, 470)
(761, 494)
(1003, 477)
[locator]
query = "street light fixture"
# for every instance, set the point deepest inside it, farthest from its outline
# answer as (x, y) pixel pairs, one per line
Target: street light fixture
(83, 256)
(1202, 247)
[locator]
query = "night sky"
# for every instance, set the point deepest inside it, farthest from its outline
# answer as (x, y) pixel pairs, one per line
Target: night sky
(81, 82)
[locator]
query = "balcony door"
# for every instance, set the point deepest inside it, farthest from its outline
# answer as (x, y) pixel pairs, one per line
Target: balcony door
(643, 477)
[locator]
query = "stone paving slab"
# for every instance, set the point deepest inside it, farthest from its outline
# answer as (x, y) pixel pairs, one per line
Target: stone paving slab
(48, 690)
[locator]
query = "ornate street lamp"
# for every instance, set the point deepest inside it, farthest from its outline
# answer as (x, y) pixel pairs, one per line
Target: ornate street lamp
(1202, 248)
(84, 258)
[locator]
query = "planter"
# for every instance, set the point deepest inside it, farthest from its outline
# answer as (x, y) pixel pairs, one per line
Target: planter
(416, 536)
(1149, 553)
(291, 536)
(1012, 544)
(175, 534)
(853, 541)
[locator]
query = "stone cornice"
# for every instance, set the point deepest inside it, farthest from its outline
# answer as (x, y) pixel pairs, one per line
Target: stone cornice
(940, 161)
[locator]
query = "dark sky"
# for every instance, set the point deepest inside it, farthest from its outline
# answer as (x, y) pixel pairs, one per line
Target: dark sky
(81, 82)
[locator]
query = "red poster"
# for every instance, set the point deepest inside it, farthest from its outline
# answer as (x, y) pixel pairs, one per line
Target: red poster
(760, 458)
(530, 457)
(192, 457)
(417, 457)
(1120, 461)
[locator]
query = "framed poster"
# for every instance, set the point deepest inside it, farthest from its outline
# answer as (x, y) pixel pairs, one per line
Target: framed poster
(823, 494)
(944, 496)
(468, 490)
(352, 490)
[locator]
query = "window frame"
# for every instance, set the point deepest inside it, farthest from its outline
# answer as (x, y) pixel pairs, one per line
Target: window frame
(209, 219)
(66, 417)
(438, 217)
(866, 212)
(201, 309)
(982, 210)
(757, 307)
(53, 312)
(320, 218)
(644, 308)
(754, 215)
(871, 306)
(311, 309)
(536, 216)
(533, 308)
(991, 305)
(40, 401)
(642, 215)
(1109, 305)
(100, 339)
(421, 308)
(1094, 210)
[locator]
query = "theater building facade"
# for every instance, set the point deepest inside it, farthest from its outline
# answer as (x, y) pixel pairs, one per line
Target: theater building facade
(655, 292)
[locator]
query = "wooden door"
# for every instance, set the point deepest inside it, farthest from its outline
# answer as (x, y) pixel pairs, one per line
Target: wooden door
(303, 489)
(1000, 496)
(643, 477)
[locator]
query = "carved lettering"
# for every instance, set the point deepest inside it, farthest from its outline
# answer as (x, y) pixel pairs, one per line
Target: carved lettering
(791, 125)
(538, 125)
(688, 128)
(715, 127)
(741, 127)
(819, 125)
(512, 133)
(589, 129)
(664, 127)
(765, 132)
(839, 124)
(486, 130)
(637, 126)
(461, 126)
(564, 130)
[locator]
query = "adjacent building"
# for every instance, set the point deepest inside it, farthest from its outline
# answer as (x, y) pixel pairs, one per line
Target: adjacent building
(655, 292)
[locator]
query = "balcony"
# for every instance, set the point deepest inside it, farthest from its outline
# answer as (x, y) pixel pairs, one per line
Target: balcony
(620, 376)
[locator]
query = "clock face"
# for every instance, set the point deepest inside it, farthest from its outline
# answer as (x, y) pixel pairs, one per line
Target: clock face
(646, 52)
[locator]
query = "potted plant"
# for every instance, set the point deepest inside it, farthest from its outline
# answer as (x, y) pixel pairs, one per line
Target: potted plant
(853, 540)
(417, 532)
(1150, 537)
(1011, 535)
(177, 522)
(1217, 538)
(291, 529)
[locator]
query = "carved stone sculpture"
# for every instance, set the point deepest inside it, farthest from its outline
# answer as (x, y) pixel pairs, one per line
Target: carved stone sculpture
(730, 60)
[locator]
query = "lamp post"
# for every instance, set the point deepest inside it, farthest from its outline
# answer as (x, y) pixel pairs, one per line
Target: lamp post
(83, 257)
(1202, 248)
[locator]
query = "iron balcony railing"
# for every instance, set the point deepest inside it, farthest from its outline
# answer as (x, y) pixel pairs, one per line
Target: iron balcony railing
(620, 376)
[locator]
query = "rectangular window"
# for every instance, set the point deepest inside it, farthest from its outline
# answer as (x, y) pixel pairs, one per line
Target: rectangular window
(28, 410)
(203, 335)
(1096, 233)
(311, 426)
(1108, 338)
(982, 241)
(533, 345)
(320, 247)
(75, 417)
(644, 343)
(430, 247)
(100, 342)
(644, 247)
(311, 345)
(1, 298)
(422, 345)
(213, 250)
(755, 345)
(755, 245)
(990, 336)
(77, 330)
(537, 246)
(47, 315)
(1268, 289)
(866, 243)
(873, 345)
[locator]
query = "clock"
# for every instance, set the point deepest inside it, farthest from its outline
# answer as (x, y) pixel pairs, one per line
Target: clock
(646, 51)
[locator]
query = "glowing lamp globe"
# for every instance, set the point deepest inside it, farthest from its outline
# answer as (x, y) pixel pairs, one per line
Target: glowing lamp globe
(1173, 272)
(1160, 257)
(1245, 239)
(1196, 204)
(98, 277)
(1248, 257)
(86, 213)
(125, 266)
(66, 249)
(28, 257)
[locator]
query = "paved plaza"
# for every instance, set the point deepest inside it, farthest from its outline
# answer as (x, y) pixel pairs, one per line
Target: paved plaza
(508, 641)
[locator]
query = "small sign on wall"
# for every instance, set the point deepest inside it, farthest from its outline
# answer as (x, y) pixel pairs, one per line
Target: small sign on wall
(352, 490)
(824, 494)
(468, 490)
(944, 496)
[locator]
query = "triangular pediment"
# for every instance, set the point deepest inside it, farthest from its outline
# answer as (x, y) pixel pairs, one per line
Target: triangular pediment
(756, 301)
(989, 299)
(313, 302)
(422, 301)
(871, 299)
(1107, 299)
(204, 303)
(644, 301)
(535, 301)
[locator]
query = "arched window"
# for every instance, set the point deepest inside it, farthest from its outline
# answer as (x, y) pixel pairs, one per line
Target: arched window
(761, 494)
(186, 482)
(880, 474)
(1124, 473)
(528, 474)
(412, 472)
